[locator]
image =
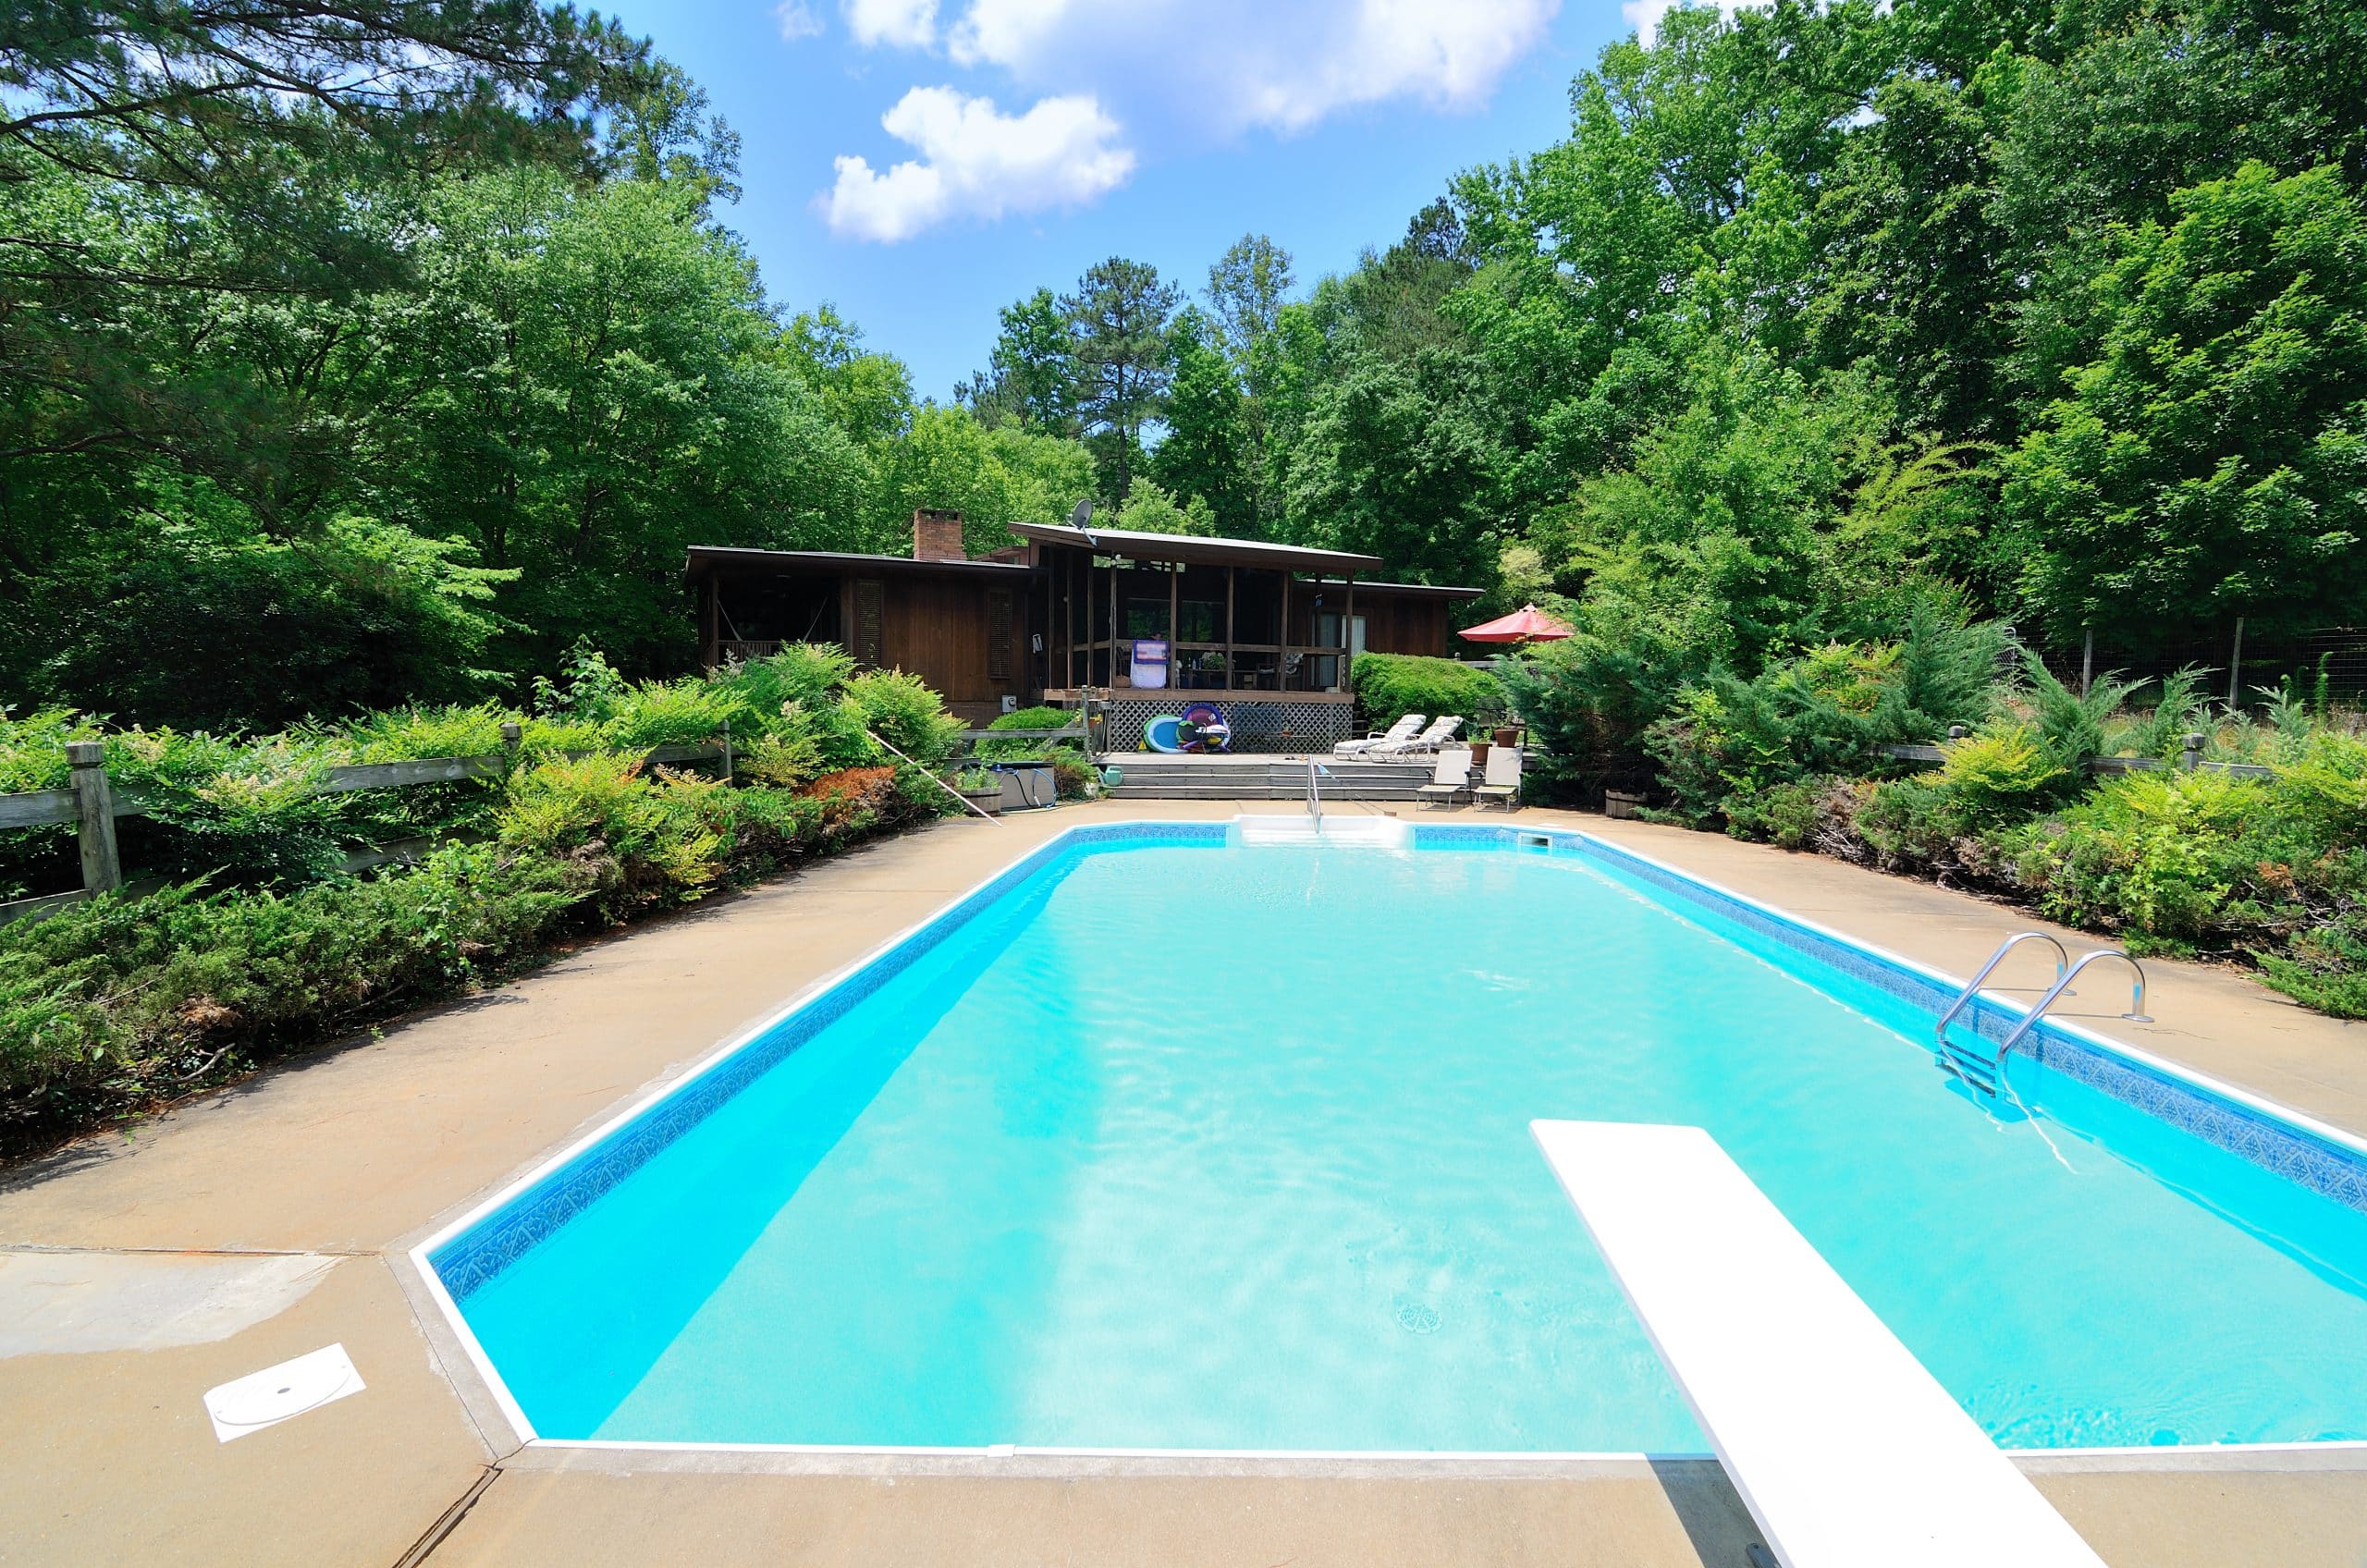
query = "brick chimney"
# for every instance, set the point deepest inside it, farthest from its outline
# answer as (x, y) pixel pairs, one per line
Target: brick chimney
(937, 536)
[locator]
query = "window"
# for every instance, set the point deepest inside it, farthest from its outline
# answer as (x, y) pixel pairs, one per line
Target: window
(1323, 671)
(998, 634)
(868, 617)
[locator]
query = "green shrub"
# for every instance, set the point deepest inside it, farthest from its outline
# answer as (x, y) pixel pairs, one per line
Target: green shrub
(1388, 686)
(642, 839)
(903, 711)
(2161, 856)
(2323, 790)
(121, 1002)
(2002, 772)
(1026, 750)
(1788, 816)
(2325, 967)
(1074, 777)
(1915, 824)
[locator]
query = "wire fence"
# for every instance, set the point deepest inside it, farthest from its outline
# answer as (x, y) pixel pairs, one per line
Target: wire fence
(2338, 654)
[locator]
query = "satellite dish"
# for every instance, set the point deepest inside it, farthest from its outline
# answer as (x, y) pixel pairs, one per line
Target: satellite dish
(1080, 517)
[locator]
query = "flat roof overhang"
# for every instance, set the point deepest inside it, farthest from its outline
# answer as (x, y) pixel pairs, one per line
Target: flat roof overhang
(703, 560)
(1194, 550)
(1400, 589)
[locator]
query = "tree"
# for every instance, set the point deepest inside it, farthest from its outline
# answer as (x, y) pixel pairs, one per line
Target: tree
(2207, 457)
(1031, 375)
(1204, 454)
(1246, 288)
(1117, 324)
(1396, 459)
(1150, 509)
(867, 395)
(248, 151)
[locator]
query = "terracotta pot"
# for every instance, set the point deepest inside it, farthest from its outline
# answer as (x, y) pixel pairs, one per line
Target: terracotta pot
(1479, 755)
(1508, 735)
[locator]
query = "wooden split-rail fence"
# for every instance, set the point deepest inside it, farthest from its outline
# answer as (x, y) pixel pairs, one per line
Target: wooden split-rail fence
(91, 803)
(93, 806)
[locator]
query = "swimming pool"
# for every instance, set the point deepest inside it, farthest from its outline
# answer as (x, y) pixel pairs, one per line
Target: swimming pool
(1157, 1142)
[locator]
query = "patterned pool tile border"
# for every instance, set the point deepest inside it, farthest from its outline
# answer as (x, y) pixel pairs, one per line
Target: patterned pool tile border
(477, 1255)
(2259, 1137)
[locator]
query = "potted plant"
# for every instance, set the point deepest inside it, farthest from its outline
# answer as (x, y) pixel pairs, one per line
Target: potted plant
(982, 787)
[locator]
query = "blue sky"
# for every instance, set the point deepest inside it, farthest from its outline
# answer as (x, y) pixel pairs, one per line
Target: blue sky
(1024, 140)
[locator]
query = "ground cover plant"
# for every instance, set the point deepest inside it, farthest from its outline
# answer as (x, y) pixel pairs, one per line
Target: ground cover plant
(255, 943)
(2269, 872)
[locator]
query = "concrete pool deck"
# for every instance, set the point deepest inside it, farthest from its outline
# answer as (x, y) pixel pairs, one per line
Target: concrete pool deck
(138, 1270)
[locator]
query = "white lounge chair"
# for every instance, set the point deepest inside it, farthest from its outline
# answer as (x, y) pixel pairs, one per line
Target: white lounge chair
(1449, 779)
(1503, 777)
(1396, 734)
(1439, 732)
(1847, 1453)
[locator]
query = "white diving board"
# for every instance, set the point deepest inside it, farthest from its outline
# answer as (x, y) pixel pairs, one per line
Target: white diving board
(1847, 1452)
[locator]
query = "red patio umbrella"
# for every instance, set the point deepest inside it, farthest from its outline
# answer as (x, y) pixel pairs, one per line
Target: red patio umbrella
(1527, 624)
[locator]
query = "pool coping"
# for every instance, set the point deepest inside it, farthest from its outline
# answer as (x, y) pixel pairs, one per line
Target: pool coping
(490, 1406)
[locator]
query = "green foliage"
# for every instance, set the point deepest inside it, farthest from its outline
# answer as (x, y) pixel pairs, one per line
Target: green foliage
(2162, 856)
(2071, 725)
(903, 711)
(2000, 771)
(2205, 455)
(122, 1002)
(1388, 686)
(260, 945)
(1032, 751)
(1118, 320)
(1150, 509)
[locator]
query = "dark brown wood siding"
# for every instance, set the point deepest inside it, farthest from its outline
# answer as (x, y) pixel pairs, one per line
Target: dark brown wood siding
(941, 628)
(1394, 623)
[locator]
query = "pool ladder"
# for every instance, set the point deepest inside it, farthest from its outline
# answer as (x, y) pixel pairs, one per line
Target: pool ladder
(1983, 1071)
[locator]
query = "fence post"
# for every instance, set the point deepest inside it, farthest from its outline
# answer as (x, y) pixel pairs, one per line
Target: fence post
(95, 815)
(2236, 668)
(2191, 757)
(1957, 733)
(727, 751)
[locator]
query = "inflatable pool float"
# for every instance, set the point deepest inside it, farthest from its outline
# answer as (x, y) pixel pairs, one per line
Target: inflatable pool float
(1161, 734)
(1203, 729)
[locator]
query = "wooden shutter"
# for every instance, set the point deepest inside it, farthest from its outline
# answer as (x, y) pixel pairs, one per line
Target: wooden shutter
(998, 634)
(868, 617)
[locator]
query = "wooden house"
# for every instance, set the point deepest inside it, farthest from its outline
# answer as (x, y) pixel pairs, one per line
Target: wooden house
(1147, 622)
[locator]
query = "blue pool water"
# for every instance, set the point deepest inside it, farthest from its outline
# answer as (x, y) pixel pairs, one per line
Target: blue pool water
(1185, 1147)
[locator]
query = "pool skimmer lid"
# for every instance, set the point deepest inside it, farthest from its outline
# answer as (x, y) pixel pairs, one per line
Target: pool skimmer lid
(267, 1398)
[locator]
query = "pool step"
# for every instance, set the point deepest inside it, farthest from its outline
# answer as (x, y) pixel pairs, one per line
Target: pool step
(1378, 832)
(1248, 779)
(1972, 1064)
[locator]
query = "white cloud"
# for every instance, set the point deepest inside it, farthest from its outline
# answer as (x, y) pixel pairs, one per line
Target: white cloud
(977, 162)
(796, 20)
(901, 24)
(1229, 65)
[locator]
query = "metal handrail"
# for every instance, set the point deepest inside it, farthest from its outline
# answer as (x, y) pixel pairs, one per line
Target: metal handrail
(2062, 964)
(1313, 793)
(2136, 1013)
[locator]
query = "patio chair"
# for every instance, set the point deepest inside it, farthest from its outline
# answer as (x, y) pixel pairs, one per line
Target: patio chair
(1449, 779)
(1442, 729)
(1504, 777)
(1396, 735)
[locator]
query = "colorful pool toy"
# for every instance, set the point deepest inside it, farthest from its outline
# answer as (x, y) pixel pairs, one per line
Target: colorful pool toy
(1203, 729)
